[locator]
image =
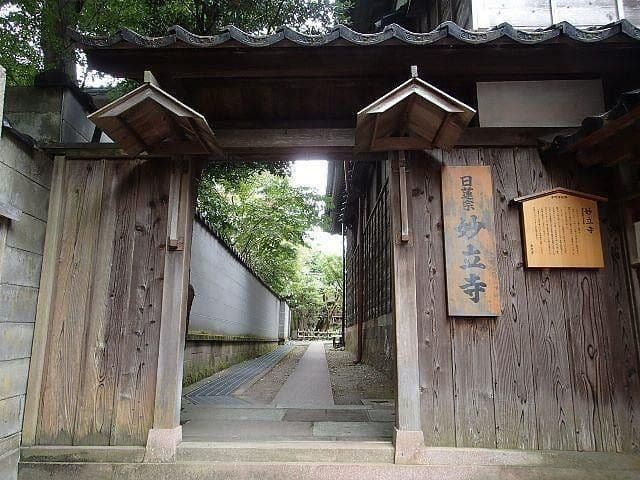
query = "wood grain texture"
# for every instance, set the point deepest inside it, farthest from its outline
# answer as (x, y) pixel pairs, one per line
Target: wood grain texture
(108, 311)
(559, 369)
(469, 237)
(473, 382)
(70, 305)
(174, 300)
(588, 343)
(99, 366)
(405, 312)
(136, 381)
(46, 295)
(434, 327)
(511, 335)
(549, 340)
(621, 330)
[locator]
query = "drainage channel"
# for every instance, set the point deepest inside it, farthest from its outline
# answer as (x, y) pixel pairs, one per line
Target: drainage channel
(236, 376)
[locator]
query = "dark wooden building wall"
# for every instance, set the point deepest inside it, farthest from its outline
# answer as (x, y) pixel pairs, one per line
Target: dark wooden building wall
(369, 332)
(99, 375)
(559, 369)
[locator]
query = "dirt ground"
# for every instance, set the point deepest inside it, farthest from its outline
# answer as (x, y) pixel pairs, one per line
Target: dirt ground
(352, 383)
(265, 390)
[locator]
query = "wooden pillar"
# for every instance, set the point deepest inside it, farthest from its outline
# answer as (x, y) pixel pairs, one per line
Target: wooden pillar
(408, 436)
(359, 275)
(45, 301)
(166, 433)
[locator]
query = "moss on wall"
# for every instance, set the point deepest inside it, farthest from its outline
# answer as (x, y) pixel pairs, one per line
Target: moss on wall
(203, 357)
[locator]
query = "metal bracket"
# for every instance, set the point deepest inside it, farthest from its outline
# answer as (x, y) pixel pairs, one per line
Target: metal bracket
(404, 210)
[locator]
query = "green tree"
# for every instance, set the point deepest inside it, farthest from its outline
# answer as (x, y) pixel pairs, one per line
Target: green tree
(315, 292)
(264, 218)
(34, 34)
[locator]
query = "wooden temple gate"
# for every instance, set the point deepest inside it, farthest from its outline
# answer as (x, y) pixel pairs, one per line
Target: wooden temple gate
(112, 303)
(107, 359)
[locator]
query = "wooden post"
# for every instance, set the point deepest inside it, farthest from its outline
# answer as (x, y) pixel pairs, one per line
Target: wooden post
(360, 280)
(408, 436)
(166, 433)
(45, 299)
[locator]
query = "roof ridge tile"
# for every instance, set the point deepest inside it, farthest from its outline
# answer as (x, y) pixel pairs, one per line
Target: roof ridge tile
(392, 31)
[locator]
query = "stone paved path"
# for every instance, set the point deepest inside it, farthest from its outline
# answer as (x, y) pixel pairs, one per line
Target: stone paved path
(303, 409)
(309, 386)
(235, 377)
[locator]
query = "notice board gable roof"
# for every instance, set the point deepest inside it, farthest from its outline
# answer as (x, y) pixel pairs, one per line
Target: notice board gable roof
(428, 115)
(150, 120)
(562, 190)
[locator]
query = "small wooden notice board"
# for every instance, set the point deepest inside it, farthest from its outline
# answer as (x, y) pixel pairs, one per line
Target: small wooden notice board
(561, 229)
(470, 247)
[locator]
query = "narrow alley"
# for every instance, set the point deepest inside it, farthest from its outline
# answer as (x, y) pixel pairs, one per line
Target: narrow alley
(284, 395)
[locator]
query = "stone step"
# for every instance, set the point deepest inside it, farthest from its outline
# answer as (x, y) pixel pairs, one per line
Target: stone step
(267, 430)
(306, 451)
(311, 470)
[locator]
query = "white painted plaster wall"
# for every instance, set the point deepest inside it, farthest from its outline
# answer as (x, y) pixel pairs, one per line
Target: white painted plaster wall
(229, 299)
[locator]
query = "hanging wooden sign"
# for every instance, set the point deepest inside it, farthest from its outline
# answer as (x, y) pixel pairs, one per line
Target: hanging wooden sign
(469, 237)
(561, 229)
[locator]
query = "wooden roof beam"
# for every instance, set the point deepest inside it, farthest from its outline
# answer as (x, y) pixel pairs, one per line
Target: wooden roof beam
(138, 140)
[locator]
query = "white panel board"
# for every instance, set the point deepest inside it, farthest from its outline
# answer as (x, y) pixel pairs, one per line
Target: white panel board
(542, 13)
(519, 13)
(593, 12)
(549, 103)
(632, 10)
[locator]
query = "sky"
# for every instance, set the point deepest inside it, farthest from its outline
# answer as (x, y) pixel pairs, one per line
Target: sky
(313, 174)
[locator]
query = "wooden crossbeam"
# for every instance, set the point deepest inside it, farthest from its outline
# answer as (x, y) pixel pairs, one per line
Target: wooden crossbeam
(274, 144)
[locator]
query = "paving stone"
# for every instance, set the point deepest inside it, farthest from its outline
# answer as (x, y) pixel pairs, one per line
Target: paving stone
(324, 415)
(353, 429)
(248, 430)
(309, 385)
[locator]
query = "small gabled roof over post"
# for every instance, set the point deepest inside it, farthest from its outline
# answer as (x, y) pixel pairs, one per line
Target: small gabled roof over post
(150, 120)
(414, 116)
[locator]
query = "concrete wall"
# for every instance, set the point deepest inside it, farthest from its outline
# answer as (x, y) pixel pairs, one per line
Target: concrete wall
(284, 326)
(229, 299)
(49, 114)
(25, 176)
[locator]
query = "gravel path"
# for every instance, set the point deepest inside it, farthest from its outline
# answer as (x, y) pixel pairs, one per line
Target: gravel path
(352, 383)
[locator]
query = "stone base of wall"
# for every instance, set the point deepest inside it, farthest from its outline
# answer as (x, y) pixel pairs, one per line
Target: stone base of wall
(9, 455)
(378, 342)
(206, 354)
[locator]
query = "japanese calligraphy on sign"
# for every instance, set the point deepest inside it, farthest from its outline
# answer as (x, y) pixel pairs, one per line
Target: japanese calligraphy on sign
(562, 229)
(470, 248)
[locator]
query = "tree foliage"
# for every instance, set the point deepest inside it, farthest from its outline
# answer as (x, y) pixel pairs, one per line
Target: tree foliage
(34, 33)
(258, 212)
(253, 205)
(264, 218)
(316, 290)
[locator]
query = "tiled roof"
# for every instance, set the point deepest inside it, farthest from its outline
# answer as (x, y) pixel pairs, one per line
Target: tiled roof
(627, 102)
(447, 30)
